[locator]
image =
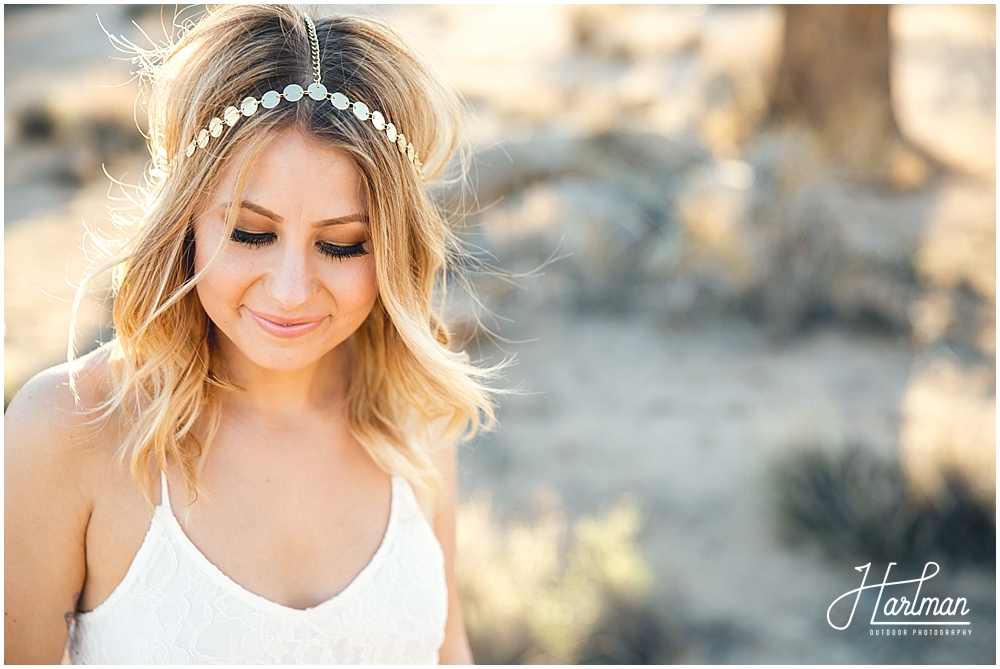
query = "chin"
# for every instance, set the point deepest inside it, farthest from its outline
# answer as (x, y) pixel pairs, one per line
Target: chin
(289, 358)
(276, 356)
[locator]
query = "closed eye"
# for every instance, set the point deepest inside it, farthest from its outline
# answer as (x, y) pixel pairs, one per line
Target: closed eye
(341, 252)
(252, 239)
(329, 249)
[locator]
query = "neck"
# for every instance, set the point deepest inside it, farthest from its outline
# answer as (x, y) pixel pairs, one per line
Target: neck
(281, 396)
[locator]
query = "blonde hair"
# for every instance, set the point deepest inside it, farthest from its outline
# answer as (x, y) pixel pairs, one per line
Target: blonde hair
(404, 375)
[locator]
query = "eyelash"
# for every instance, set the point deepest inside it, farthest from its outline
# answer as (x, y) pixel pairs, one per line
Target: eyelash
(252, 239)
(335, 251)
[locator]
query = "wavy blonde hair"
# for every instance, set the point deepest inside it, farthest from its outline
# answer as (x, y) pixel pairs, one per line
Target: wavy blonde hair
(404, 374)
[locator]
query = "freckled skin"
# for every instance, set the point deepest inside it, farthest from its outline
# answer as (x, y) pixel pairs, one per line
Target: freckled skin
(303, 182)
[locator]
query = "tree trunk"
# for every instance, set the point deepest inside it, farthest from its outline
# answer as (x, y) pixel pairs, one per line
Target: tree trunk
(834, 78)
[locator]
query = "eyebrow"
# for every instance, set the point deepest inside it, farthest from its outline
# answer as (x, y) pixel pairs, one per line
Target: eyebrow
(267, 213)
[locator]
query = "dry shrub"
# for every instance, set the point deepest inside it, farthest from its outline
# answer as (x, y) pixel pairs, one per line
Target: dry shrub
(857, 505)
(543, 594)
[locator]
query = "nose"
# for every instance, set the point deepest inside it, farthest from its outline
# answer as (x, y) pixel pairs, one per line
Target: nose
(291, 282)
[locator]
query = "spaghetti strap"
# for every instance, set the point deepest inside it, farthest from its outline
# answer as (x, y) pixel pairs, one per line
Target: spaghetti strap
(164, 495)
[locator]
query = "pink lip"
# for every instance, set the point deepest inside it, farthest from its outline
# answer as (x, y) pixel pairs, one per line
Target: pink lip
(286, 327)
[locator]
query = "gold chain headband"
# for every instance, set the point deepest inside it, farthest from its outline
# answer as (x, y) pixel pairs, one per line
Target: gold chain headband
(293, 93)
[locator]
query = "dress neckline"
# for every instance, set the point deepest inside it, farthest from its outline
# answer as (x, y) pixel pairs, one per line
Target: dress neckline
(167, 515)
(164, 523)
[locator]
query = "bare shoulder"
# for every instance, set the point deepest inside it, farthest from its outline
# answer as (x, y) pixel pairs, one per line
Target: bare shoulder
(443, 436)
(443, 451)
(444, 440)
(50, 389)
(443, 445)
(49, 424)
(55, 462)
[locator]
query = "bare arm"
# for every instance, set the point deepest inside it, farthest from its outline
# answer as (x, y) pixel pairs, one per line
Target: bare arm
(45, 521)
(455, 649)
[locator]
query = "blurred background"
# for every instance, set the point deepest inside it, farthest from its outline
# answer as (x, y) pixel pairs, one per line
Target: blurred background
(745, 259)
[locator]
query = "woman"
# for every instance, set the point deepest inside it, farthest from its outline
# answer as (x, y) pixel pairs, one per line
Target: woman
(280, 391)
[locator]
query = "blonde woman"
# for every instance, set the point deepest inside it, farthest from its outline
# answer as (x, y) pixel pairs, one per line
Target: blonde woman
(261, 466)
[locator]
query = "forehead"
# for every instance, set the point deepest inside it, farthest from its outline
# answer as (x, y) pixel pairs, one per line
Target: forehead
(298, 176)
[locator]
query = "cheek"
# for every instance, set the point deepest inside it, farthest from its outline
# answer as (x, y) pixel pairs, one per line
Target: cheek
(354, 289)
(222, 282)
(217, 288)
(206, 241)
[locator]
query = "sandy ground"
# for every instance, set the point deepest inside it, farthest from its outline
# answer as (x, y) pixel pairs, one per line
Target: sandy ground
(682, 415)
(685, 419)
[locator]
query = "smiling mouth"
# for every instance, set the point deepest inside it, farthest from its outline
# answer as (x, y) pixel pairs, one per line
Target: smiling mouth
(286, 327)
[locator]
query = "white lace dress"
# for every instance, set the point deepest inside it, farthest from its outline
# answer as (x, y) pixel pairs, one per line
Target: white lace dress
(176, 607)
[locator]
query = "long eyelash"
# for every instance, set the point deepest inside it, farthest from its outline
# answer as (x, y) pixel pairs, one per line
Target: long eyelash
(341, 252)
(252, 239)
